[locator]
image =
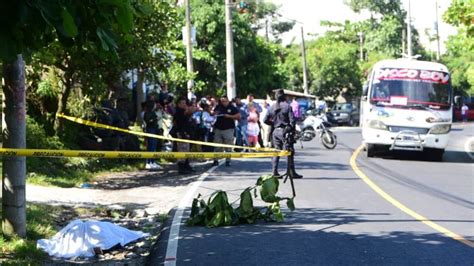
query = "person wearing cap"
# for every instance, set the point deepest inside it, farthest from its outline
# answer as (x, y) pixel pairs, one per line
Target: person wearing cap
(224, 126)
(241, 138)
(281, 117)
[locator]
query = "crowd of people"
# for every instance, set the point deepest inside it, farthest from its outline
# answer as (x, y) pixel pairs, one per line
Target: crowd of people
(209, 119)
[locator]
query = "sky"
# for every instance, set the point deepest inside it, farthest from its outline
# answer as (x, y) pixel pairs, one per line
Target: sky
(310, 12)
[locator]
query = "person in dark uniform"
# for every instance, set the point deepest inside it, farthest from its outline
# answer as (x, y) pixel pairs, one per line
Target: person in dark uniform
(181, 123)
(281, 117)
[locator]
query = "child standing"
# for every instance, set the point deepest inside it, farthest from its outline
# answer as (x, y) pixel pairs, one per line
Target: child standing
(253, 129)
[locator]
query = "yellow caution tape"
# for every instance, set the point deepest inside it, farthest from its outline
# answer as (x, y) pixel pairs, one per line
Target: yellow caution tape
(135, 155)
(98, 125)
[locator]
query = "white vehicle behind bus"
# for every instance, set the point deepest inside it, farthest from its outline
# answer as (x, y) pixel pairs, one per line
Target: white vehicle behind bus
(407, 105)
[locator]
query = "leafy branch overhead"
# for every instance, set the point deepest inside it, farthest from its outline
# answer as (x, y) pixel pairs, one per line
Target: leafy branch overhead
(29, 26)
(217, 211)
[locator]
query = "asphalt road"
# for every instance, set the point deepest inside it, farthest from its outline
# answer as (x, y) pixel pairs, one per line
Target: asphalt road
(340, 219)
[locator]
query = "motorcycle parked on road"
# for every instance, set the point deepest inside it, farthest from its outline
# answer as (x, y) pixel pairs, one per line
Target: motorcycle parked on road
(316, 125)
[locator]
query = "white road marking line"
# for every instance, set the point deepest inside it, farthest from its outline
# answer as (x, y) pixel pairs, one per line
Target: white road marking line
(468, 147)
(172, 247)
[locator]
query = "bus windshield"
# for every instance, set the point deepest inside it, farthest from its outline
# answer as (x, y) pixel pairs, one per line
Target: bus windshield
(411, 87)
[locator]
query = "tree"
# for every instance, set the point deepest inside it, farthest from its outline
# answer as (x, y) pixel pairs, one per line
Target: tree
(333, 58)
(375, 6)
(460, 14)
(28, 27)
(336, 70)
(156, 27)
(460, 48)
(256, 61)
(383, 31)
(332, 66)
(265, 17)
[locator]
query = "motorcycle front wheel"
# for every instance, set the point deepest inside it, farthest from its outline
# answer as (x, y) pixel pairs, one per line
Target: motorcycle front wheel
(329, 140)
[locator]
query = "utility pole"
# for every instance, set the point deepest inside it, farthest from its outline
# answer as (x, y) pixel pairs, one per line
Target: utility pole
(229, 38)
(305, 72)
(266, 30)
(409, 45)
(404, 41)
(438, 54)
(189, 45)
(361, 45)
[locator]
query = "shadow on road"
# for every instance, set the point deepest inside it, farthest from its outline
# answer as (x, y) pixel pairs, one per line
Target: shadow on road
(317, 237)
(395, 176)
(167, 177)
(261, 165)
(448, 157)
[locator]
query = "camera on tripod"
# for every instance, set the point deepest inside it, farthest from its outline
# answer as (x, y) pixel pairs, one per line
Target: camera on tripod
(289, 135)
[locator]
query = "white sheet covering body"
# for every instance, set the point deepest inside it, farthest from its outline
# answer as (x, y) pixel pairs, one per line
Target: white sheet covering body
(79, 238)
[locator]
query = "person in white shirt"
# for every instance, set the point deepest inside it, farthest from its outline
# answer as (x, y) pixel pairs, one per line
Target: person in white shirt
(265, 129)
(464, 110)
(206, 121)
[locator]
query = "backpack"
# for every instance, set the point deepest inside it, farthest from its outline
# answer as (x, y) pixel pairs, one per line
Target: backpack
(202, 129)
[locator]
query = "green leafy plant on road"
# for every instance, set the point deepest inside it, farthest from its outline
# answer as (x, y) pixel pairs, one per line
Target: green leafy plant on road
(217, 211)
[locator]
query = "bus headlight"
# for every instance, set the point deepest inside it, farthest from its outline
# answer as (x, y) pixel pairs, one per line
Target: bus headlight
(377, 124)
(440, 129)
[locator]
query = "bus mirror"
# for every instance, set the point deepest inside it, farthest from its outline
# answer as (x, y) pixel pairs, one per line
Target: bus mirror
(457, 100)
(365, 90)
(364, 98)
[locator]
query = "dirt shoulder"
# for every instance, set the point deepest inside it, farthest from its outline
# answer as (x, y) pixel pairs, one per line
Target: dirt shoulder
(138, 200)
(156, 192)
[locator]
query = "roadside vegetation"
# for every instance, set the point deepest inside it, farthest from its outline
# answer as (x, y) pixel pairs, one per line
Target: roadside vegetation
(66, 172)
(60, 78)
(76, 69)
(44, 221)
(17, 251)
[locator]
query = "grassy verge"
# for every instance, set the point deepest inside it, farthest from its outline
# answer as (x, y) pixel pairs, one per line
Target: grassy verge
(43, 221)
(17, 251)
(74, 171)
(66, 172)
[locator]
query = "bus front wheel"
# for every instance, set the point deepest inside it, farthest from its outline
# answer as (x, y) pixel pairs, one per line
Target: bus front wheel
(435, 155)
(370, 149)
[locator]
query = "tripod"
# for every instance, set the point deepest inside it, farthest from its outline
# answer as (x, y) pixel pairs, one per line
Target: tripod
(290, 166)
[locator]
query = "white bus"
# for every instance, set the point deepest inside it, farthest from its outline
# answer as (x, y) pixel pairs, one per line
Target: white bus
(407, 105)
